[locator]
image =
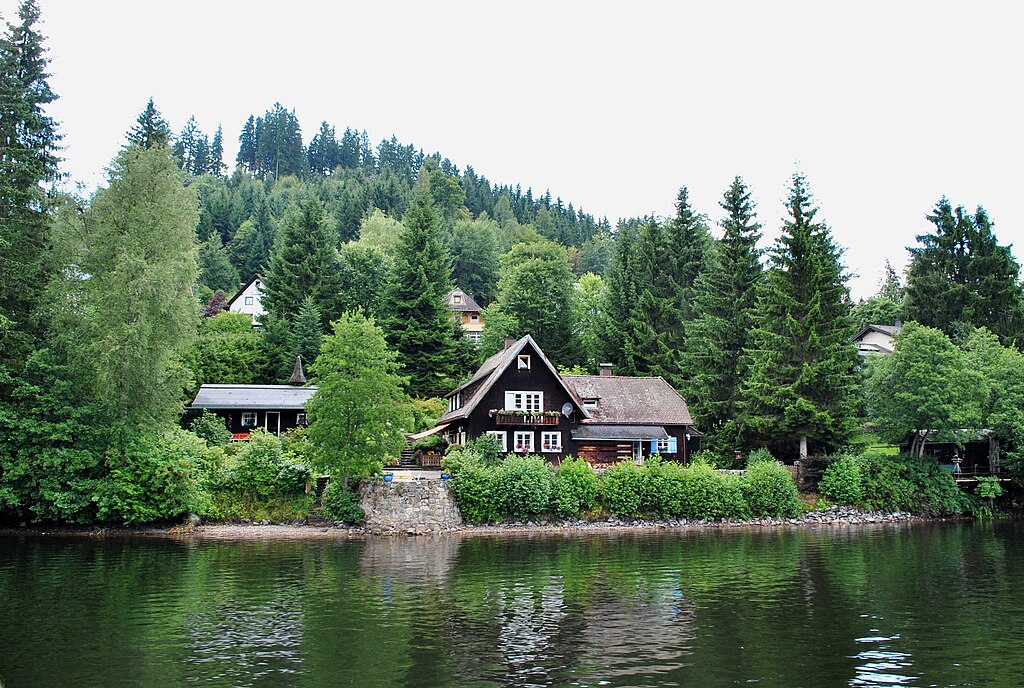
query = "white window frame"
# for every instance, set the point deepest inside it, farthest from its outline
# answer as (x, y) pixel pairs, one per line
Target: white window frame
(664, 445)
(248, 301)
(523, 361)
(528, 401)
(300, 418)
(524, 439)
(502, 439)
(473, 337)
(251, 416)
(456, 298)
(590, 403)
(556, 446)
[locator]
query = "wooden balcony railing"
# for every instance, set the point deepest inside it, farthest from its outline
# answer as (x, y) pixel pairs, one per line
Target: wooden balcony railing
(525, 418)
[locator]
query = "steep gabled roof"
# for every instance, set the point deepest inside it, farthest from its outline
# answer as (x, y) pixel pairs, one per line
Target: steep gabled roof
(890, 330)
(242, 290)
(467, 305)
(489, 373)
(632, 400)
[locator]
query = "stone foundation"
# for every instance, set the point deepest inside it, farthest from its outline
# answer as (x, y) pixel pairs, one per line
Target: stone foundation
(412, 508)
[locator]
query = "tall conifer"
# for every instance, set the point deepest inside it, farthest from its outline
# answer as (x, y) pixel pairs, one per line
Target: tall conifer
(801, 383)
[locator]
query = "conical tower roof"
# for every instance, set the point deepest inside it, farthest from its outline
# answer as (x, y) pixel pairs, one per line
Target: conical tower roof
(298, 378)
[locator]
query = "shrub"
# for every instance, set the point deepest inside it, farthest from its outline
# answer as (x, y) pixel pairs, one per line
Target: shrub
(662, 487)
(770, 491)
(706, 494)
(911, 483)
(293, 478)
(258, 464)
(156, 479)
(434, 444)
(212, 428)
(487, 448)
(714, 459)
(475, 487)
(760, 455)
(574, 488)
(524, 485)
(342, 504)
(842, 481)
(622, 488)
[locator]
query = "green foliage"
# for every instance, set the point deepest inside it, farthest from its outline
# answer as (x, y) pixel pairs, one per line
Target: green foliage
(911, 483)
(589, 307)
(770, 491)
(307, 334)
(875, 310)
(524, 486)
(359, 412)
(760, 455)
(227, 351)
(431, 443)
(212, 428)
(622, 489)
(842, 481)
(341, 503)
(156, 478)
(474, 248)
(427, 411)
(574, 489)
(988, 487)
(704, 493)
(258, 464)
(476, 488)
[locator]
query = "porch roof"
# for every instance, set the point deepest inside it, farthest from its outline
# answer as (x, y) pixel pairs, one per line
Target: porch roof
(616, 433)
(253, 397)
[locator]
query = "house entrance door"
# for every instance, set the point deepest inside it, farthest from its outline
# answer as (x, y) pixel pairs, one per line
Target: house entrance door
(274, 422)
(638, 453)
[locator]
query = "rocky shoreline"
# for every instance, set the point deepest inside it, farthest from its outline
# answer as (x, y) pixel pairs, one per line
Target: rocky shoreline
(836, 516)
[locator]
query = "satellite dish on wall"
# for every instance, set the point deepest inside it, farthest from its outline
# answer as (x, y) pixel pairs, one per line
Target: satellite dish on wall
(567, 409)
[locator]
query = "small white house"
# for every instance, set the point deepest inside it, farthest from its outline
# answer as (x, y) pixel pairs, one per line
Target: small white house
(247, 300)
(877, 339)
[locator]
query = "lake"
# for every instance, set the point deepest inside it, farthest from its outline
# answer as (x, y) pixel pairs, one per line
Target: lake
(921, 605)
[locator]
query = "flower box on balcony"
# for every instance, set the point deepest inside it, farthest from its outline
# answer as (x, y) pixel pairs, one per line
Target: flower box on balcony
(505, 417)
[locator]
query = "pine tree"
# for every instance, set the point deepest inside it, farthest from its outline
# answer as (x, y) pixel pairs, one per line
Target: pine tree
(150, 129)
(417, 322)
(216, 166)
(246, 158)
(688, 241)
(801, 382)
(252, 244)
(652, 321)
(29, 142)
(215, 269)
(714, 364)
(307, 333)
(304, 263)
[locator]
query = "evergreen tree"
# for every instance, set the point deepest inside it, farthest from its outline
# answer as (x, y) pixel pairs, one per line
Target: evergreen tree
(251, 246)
(652, 323)
(801, 382)
(714, 364)
(417, 322)
(307, 333)
(246, 158)
(29, 142)
(278, 141)
(150, 129)
(304, 263)
(323, 152)
(590, 301)
(960, 277)
(216, 166)
(621, 295)
(215, 269)
(688, 241)
(891, 287)
(365, 273)
(475, 260)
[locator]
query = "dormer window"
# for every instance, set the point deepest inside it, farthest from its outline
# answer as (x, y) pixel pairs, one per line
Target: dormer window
(456, 299)
(590, 403)
(523, 361)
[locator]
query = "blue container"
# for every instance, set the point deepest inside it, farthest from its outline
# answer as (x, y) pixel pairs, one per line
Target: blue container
(445, 476)
(388, 477)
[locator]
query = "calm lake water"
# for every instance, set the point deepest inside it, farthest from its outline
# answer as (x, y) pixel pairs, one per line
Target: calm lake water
(934, 605)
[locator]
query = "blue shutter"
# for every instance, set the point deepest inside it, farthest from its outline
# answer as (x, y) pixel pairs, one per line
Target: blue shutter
(654, 446)
(672, 446)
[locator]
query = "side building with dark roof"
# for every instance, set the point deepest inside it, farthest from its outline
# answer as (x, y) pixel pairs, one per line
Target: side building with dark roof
(520, 398)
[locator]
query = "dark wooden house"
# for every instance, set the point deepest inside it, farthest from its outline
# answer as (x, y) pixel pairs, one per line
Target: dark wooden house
(244, 408)
(519, 397)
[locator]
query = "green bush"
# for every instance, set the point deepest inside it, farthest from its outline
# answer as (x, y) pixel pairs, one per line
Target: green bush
(622, 489)
(212, 428)
(759, 455)
(662, 488)
(524, 486)
(434, 444)
(258, 464)
(574, 488)
(842, 481)
(706, 494)
(155, 479)
(770, 491)
(342, 504)
(293, 478)
(911, 483)
(714, 459)
(475, 487)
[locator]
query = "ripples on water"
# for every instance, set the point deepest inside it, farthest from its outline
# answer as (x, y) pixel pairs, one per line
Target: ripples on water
(933, 605)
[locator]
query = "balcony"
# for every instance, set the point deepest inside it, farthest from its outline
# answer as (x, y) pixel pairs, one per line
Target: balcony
(527, 418)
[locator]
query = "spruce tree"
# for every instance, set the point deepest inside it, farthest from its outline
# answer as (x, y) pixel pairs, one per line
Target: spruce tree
(215, 269)
(304, 263)
(216, 166)
(246, 158)
(714, 364)
(417, 322)
(29, 142)
(150, 129)
(653, 320)
(688, 241)
(307, 333)
(801, 383)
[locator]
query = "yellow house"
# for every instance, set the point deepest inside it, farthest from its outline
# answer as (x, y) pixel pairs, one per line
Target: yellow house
(466, 312)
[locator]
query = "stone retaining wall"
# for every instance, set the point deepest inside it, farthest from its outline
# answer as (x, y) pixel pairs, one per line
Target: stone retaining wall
(413, 508)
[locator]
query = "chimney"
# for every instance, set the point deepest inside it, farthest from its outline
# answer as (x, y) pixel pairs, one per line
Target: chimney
(606, 370)
(298, 377)
(509, 343)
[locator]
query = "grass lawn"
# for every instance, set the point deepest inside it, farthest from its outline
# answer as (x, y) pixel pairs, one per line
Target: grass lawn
(873, 444)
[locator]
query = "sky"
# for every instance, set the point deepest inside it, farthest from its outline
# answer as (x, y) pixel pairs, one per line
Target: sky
(884, 106)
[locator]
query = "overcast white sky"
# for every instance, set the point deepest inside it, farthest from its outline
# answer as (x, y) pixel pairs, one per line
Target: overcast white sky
(885, 106)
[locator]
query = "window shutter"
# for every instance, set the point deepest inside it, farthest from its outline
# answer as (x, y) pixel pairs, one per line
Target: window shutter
(672, 446)
(654, 446)
(510, 400)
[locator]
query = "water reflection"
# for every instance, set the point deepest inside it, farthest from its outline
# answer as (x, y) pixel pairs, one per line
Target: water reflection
(922, 606)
